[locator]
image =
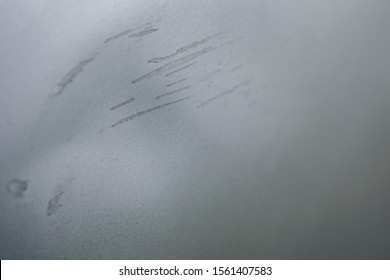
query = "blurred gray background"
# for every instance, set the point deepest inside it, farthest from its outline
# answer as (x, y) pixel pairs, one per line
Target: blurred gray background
(194, 129)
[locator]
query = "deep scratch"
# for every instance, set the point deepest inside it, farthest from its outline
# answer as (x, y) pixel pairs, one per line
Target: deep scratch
(172, 92)
(70, 76)
(183, 49)
(176, 82)
(127, 31)
(119, 35)
(122, 104)
(175, 63)
(233, 89)
(54, 204)
(143, 33)
(139, 114)
(180, 69)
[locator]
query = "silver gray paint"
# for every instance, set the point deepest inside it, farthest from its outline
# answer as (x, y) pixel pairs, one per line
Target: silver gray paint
(277, 147)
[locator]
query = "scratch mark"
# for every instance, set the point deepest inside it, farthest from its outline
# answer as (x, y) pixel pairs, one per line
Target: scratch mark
(183, 49)
(237, 67)
(180, 69)
(172, 92)
(70, 76)
(139, 114)
(125, 32)
(176, 82)
(54, 204)
(143, 33)
(232, 41)
(122, 104)
(175, 63)
(209, 75)
(208, 101)
(121, 34)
